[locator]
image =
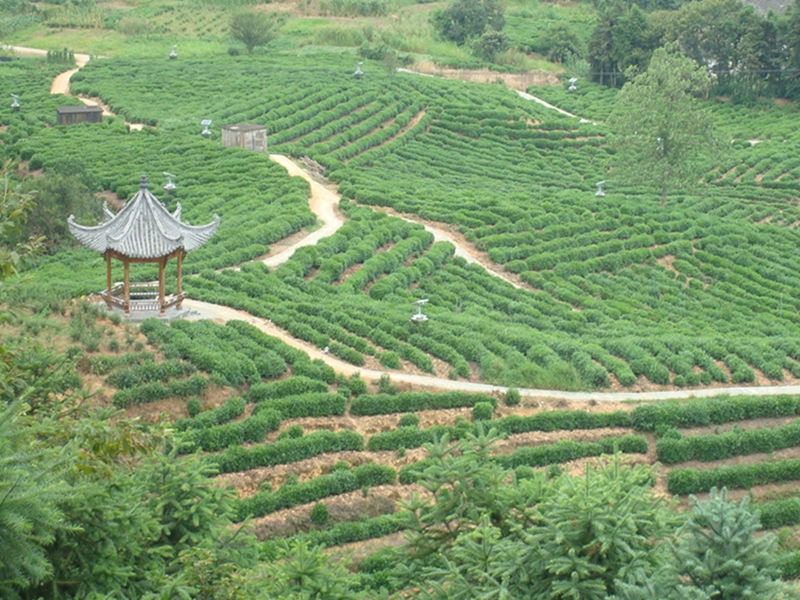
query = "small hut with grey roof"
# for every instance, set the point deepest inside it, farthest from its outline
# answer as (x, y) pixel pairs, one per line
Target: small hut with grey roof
(144, 231)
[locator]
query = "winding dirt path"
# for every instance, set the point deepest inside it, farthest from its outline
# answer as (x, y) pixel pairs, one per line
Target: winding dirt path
(324, 202)
(60, 84)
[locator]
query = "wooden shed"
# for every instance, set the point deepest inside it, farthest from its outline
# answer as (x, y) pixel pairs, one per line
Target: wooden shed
(246, 135)
(69, 115)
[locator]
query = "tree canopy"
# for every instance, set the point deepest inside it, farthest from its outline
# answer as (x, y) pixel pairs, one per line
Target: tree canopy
(662, 135)
(252, 28)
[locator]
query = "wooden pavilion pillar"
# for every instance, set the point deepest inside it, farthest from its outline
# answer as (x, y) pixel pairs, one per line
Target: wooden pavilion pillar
(126, 286)
(108, 280)
(181, 254)
(162, 263)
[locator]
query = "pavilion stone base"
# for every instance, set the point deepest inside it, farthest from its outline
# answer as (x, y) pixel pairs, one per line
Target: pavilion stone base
(137, 316)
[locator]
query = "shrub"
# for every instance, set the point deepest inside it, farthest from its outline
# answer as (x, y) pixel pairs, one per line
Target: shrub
(294, 432)
(482, 411)
(512, 397)
(409, 420)
(319, 514)
(193, 406)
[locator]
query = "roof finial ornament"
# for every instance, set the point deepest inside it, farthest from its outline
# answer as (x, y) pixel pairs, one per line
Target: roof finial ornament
(143, 182)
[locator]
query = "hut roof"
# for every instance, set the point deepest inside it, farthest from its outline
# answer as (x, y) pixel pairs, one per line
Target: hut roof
(144, 228)
(78, 109)
(245, 127)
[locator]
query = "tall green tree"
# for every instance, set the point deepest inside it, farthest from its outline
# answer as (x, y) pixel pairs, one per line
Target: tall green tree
(252, 28)
(662, 135)
(466, 20)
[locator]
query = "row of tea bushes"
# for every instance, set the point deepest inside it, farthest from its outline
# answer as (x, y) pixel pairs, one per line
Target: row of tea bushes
(673, 449)
(152, 392)
(545, 454)
(712, 411)
(324, 486)
(413, 437)
(695, 481)
(336, 535)
(321, 404)
(288, 450)
(251, 430)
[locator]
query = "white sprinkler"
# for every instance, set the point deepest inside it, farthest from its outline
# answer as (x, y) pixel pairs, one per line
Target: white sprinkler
(358, 72)
(206, 133)
(600, 192)
(572, 82)
(173, 53)
(419, 317)
(170, 185)
(15, 101)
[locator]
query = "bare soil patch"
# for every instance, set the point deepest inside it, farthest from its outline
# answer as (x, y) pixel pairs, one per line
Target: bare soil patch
(514, 81)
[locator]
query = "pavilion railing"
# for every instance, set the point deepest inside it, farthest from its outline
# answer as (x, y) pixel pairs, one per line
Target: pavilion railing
(143, 297)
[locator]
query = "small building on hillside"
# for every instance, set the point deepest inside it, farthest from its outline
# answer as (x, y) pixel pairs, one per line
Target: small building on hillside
(246, 135)
(69, 115)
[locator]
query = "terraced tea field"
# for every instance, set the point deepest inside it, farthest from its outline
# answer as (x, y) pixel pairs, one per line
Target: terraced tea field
(611, 292)
(289, 434)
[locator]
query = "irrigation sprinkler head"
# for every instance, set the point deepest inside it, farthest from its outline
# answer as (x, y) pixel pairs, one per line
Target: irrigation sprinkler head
(15, 101)
(419, 317)
(170, 185)
(173, 54)
(206, 133)
(358, 72)
(572, 82)
(600, 193)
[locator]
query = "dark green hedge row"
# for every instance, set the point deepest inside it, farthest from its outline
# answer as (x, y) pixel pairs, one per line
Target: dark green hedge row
(724, 445)
(779, 513)
(546, 454)
(232, 407)
(238, 458)
(412, 437)
(149, 372)
(712, 411)
(251, 430)
(333, 484)
(285, 387)
(382, 404)
(307, 405)
(562, 420)
(694, 481)
(341, 533)
(567, 450)
(151, 392)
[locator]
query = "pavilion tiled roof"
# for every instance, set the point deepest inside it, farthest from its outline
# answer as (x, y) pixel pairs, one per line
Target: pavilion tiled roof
(144, 228)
